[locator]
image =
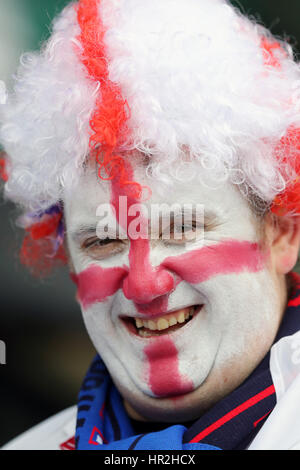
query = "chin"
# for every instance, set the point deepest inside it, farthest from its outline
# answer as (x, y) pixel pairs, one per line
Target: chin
(172, 409)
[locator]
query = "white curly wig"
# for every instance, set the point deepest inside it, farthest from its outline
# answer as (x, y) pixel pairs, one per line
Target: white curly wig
(195, 74)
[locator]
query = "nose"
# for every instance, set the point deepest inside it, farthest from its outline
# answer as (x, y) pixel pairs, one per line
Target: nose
(144, 283)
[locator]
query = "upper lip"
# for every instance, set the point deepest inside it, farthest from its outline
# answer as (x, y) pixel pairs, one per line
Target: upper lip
(157, 315)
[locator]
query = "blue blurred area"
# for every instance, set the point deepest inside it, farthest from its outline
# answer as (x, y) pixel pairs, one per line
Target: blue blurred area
(48, 349)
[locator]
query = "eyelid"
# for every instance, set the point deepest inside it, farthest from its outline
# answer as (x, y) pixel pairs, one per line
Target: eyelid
(80, 235)
(191, 226)
(87, 243)
(97, 251)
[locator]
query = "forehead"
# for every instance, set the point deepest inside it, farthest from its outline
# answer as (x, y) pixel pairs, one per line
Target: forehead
(220, 198)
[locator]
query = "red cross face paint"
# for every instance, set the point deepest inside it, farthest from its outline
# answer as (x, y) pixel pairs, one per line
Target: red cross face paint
(173, 320)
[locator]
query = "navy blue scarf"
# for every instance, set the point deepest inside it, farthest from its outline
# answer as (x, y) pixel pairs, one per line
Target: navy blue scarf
(103, 424)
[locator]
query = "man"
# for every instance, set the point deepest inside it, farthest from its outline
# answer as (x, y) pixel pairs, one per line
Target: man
(131, 109)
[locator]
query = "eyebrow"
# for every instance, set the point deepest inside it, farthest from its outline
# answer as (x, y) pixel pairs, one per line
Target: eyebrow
(208, 216)
(80, 231)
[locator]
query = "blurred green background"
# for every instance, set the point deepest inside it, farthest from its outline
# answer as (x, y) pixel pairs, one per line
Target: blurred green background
(48, 350)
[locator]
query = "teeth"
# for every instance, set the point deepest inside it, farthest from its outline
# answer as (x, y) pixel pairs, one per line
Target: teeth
(151, 325)
(139, 323)
(172, 321)
(181, 318)
(164, 322)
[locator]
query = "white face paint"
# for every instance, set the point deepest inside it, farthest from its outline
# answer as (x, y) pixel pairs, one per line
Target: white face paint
(224, 280)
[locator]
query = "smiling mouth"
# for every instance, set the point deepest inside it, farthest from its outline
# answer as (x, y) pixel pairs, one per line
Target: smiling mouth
(165, 324)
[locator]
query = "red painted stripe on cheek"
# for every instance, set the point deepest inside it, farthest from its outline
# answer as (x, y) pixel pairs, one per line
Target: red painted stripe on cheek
(229, 257)
(164, 376)
(95, 284)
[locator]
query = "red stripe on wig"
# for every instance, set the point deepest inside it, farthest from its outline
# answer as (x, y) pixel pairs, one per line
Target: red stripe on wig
(3, 172)
(37, 251)
(269, 49)
(287, 151)
(109, 121)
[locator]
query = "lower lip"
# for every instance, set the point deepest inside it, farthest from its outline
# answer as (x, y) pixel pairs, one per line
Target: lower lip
(130, 326)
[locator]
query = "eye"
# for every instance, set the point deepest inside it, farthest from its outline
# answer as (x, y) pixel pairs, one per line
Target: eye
(102, 248)
(179, 233)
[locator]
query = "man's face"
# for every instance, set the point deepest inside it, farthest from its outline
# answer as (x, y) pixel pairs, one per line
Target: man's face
(179, 323)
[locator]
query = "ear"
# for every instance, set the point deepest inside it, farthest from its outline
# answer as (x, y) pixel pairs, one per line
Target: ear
(283, 236)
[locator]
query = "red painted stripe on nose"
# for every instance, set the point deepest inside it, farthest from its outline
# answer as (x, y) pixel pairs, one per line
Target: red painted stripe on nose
(144, 282)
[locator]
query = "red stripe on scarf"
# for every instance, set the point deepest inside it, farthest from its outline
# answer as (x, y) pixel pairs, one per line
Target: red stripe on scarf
(233, 413)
